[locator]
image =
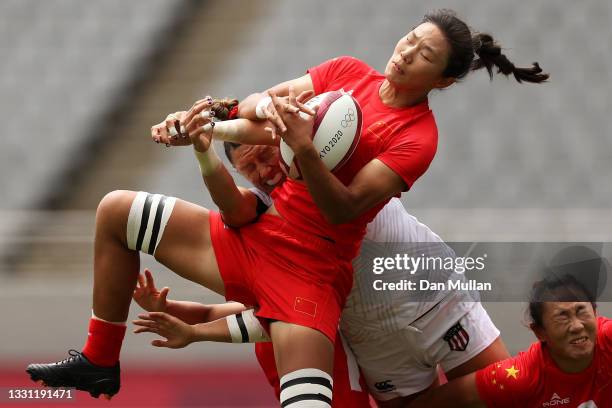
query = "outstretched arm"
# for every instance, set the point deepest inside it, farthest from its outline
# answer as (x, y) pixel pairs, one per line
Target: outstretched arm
(152, 300)
(242, 327)
(247, 108)
(238, 206)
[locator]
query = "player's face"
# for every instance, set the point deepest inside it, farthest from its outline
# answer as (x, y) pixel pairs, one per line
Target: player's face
(570, 329)
(259, 165)
(419, 59)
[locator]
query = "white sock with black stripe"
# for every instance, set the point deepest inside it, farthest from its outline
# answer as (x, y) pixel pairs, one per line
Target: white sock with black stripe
(306, 388)
(148, 217)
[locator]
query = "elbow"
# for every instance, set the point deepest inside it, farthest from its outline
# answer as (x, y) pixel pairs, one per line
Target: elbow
(336, 219)
(343, 212)
(242, 110)
(246, 108)
(340, 217)
(234, 223)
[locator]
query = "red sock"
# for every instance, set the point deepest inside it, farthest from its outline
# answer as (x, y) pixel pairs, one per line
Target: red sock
(103, 343)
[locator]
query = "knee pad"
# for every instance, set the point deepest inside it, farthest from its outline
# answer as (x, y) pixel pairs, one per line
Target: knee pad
(306, 388)
(148, 217)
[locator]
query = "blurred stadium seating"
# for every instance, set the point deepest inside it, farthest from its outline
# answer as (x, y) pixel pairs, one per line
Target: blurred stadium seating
(82, 82)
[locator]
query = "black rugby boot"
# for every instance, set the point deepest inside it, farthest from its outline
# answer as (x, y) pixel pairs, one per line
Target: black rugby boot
(78, 372)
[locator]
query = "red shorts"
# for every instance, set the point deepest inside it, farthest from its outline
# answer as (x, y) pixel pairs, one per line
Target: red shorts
(346, 371)
(285, 273)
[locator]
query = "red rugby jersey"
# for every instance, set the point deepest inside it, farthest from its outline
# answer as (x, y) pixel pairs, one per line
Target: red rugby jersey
(532, 379)
(405, 139)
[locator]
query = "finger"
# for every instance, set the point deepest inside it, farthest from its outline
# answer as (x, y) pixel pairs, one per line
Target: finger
(163, 136)
(279, 106)
(164, 294)
(150, 281)
(141, 280)
(205, 131)
(207, 114)
(196, 122)
(145, 316)
(290, 108)
(178, 128)
(301, 99)
(146, 323)
(206, 98)
(156, 128)
(195, 110)
(273, 115)
(292, 99)
(305, 96)
(155, 133)
(172, 132)
(272, 132)
(139, 330)
(159, 316)
(179, 141)
(307, 109)
(172, 123)
(160, 343)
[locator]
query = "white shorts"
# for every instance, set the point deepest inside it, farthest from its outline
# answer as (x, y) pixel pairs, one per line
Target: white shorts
(404, 363)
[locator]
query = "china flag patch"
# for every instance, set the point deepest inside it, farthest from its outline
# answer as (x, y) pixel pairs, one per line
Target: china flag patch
(305, 306)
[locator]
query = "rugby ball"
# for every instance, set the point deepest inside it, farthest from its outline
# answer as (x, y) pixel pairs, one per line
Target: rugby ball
(335, 133)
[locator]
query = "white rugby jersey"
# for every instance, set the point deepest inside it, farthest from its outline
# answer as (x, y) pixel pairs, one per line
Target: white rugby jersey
(370, 313)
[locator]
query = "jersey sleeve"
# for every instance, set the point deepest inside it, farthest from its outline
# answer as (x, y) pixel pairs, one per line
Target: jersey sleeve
(264, 201)
(327, 75)
(503, 384)
(410, 153)
(605, 333)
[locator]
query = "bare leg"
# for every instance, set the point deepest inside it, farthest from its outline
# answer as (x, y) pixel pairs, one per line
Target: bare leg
(297, 348)
(185, 248)
(495, 352)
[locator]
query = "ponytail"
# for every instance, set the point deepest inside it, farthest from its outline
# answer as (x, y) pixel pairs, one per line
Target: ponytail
(489, 55)
(464, 47)
(223, 107)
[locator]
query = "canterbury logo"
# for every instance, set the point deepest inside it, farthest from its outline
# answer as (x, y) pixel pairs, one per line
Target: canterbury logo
(384, 386)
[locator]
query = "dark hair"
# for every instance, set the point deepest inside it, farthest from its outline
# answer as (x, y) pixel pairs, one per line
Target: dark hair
(555, 288)
(464, 46)
(222, 107)
(229, 147)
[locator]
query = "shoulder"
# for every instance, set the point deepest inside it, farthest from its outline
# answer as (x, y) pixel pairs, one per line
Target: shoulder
(327, 75)
(349, 63)
(505, 382)
(604, 333)
(394, 224)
